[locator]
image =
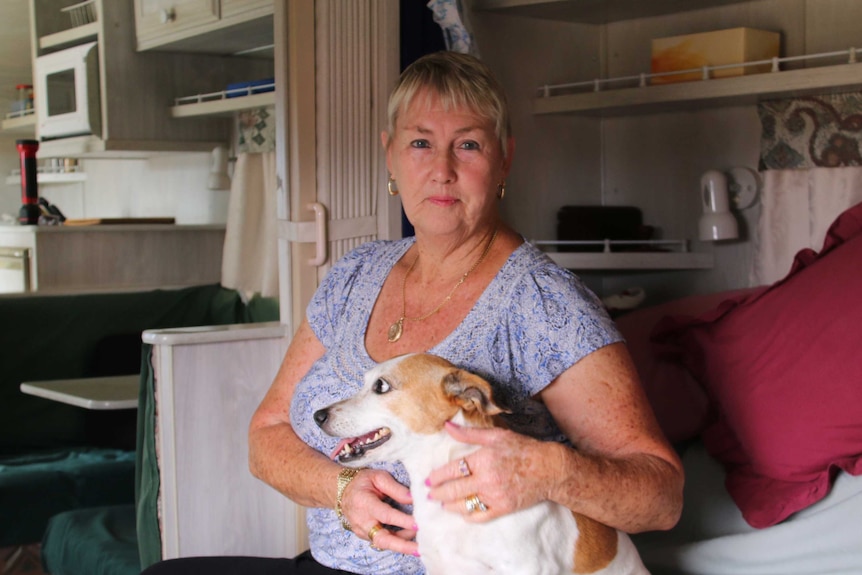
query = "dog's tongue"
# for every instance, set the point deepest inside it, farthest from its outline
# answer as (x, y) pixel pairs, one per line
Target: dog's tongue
(339, 447)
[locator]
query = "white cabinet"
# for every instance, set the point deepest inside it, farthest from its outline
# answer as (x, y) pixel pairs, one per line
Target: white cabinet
(155, 19)
(229, 28)
(136, 89)
(208, 26)
(210, 381)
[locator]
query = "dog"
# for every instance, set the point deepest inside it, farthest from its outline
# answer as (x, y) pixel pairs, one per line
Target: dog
(399, 414)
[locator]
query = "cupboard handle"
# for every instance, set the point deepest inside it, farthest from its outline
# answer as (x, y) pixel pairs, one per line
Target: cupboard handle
(320, 237)
(167, 15)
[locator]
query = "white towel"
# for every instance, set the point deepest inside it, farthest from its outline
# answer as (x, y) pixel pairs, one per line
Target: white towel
(797, 208)
(250, 257)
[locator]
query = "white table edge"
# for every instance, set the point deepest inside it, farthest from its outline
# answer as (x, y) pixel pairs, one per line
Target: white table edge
(34, 388)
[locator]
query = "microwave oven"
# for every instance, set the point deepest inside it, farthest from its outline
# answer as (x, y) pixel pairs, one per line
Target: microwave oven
(67, 93)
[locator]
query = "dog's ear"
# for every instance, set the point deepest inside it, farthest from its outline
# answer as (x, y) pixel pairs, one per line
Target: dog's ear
(472, 393)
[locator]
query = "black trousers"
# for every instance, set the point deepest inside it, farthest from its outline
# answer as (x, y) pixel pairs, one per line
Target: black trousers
(303, 564)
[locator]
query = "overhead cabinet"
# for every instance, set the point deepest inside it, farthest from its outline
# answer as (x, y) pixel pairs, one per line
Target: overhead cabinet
(227, 27)
(134, 90)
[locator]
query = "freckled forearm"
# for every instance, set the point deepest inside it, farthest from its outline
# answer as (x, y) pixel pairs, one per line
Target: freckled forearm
(279, 458)
(636, 493)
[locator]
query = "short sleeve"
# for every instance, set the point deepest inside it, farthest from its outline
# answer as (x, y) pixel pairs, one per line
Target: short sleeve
(554, 321)
(328, 308)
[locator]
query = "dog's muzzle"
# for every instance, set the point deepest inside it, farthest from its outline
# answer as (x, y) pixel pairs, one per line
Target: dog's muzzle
(352, 448)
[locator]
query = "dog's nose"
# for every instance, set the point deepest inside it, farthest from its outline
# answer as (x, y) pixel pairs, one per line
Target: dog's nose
(320, 416)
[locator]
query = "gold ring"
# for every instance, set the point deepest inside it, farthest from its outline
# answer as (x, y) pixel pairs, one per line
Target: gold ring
(372, 533)
(473, 504)
(463, 468)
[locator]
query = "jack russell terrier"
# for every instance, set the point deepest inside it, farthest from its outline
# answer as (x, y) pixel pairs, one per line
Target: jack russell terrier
(399, 414)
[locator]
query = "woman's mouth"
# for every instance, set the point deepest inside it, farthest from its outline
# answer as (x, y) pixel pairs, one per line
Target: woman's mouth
(444, 201)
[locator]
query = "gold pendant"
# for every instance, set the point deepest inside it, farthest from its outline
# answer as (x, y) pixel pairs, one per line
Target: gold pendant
(395, 330)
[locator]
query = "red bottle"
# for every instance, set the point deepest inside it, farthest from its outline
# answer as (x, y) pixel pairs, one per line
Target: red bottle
(30, 211)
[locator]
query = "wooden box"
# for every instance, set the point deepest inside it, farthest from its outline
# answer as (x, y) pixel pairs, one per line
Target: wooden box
(718, 48)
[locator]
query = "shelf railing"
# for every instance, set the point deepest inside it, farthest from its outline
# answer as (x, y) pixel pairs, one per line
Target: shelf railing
(631, 255)
(224, 94)
(18, 114)
(679, 246)
(224, 102)
(848, 56)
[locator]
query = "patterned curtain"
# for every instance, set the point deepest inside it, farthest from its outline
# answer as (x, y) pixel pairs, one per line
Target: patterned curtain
(814, 132)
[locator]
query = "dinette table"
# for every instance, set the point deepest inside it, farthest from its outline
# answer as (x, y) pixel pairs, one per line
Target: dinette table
(97, 393)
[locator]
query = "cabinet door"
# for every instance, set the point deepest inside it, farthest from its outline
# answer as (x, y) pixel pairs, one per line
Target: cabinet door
(156, 20)
(244, 8)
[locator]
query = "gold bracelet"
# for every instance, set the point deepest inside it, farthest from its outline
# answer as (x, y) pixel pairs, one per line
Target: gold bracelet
(345, 476)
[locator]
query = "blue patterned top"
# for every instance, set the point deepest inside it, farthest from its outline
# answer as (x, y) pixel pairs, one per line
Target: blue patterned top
(533, 322)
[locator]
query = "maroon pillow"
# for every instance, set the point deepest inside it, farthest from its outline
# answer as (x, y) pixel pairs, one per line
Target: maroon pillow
(783, 367)
(678, 401)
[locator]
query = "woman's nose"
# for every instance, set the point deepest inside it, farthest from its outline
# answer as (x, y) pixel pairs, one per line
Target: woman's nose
(444, 167)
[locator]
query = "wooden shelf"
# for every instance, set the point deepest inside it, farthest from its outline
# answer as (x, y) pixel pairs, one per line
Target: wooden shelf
(71, 36)
(225, 106)
(594, 11)
(23, 125)
(716, 92)
(94, 147)
(581, 261)
(57, 178)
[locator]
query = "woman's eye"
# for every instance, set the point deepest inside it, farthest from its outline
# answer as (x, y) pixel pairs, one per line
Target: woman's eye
(381, 386)
(470, 145)
(420, 144)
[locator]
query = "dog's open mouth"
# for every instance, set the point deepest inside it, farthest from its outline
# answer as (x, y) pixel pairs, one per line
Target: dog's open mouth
(355, 447)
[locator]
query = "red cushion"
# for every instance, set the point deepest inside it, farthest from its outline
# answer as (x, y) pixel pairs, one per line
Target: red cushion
(784, 368)
(679, 403)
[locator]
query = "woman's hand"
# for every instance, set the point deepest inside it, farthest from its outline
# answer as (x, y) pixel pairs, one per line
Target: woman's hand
(364, 506)
(506, 474)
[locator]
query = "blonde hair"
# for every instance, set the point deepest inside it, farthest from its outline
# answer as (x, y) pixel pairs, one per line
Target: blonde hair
(459, 80)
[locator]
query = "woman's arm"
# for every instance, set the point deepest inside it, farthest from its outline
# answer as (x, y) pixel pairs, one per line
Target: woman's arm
(622, 473)
(280, 458)
(276, 454)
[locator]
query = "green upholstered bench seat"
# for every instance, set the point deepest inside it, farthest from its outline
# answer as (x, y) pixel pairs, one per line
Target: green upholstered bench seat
(94, 541)
(35, 486)
(45, 337)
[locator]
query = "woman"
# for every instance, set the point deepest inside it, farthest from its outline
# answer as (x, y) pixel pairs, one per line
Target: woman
(470, 289)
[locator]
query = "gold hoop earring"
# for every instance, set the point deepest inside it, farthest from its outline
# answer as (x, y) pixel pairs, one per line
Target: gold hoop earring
(392, 187)
(501, 191)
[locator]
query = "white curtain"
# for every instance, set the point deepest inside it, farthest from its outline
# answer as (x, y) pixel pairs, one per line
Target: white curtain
(797, 208)
(250, 258)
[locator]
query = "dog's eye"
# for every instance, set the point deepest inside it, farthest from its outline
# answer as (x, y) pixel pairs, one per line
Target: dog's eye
(381, 386)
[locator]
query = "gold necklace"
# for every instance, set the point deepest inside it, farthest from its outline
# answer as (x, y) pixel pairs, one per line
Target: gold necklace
(397, 328)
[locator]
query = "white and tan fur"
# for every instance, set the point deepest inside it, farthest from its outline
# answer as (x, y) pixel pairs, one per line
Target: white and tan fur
(399, 414)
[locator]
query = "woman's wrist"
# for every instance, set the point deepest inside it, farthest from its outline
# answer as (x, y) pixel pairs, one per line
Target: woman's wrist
(345, 476)
(558, 476)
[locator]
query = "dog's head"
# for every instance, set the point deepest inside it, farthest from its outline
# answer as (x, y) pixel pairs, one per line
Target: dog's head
(406, 396)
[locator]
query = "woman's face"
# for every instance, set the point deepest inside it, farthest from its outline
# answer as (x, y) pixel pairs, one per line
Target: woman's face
(448, 166)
